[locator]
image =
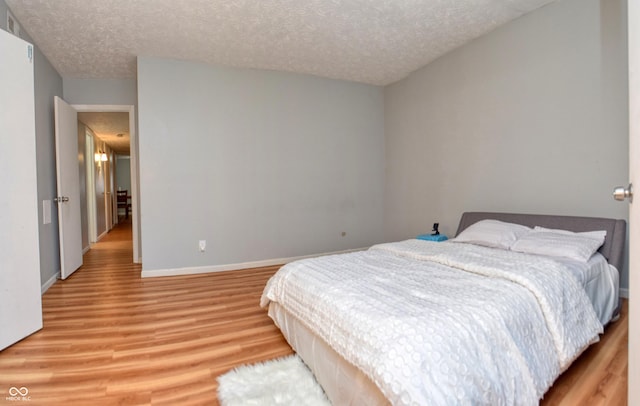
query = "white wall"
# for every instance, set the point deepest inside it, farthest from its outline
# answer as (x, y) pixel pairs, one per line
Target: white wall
(529, 118)
(260, 164)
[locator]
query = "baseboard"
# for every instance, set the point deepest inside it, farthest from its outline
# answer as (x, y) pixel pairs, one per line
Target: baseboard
(624, 293)
(50, 282)
(233, 267)
(101, 236)
(86, 249)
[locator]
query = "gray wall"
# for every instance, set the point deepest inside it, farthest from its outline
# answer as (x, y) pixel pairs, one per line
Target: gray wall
(531, 118)
(123, 173)
(100, 91)
(260, 164)
(48, 84)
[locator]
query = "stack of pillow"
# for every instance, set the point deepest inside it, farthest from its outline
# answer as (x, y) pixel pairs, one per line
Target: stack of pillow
(539, 240)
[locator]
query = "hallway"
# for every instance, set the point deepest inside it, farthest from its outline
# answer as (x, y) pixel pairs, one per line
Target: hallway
(114, 249)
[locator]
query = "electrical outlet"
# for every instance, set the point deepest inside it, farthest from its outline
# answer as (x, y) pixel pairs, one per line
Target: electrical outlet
(203, 245)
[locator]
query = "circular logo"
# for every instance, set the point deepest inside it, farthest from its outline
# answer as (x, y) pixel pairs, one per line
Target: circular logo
(13, 391)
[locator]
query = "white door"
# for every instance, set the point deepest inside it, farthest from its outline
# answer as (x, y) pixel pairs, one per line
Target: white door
(634, 207)
(68, 177)
(20, 291)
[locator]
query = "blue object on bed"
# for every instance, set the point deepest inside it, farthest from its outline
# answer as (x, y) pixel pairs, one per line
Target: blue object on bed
(431, 237)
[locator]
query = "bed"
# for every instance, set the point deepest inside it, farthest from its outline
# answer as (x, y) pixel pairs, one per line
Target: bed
(419, 322)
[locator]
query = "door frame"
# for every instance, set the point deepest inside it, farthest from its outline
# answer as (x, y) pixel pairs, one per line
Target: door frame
(90, 189)
(133, 156)
(108, 174)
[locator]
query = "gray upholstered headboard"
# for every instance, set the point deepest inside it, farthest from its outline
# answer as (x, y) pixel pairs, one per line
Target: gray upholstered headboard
(614, 243)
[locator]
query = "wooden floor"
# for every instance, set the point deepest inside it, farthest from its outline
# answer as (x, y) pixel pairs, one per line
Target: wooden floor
(110, 337)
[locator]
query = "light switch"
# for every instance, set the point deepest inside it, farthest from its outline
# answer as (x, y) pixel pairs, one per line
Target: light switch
(46, 212)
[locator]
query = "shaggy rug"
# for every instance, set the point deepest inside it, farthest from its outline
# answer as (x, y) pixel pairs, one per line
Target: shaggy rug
(282, 381)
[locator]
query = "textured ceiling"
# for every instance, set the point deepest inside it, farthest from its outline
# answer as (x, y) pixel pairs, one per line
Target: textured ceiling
(107, 126)
(369, 41)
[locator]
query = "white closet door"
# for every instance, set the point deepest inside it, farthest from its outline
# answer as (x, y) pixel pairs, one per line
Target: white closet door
(20, 288)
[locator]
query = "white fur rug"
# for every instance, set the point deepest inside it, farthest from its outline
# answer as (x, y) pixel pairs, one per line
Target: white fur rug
(283, 381)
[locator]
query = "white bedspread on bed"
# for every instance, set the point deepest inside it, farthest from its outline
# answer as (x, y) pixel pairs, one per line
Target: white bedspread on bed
(601, 282)
(425, 332)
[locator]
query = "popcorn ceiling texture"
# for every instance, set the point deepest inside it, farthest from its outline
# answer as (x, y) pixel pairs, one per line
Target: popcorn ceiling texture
(370, 41)
(107, 126)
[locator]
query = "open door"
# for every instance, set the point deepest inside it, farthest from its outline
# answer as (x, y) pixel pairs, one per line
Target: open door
(20, 291)
(634, 208)
(68, 177)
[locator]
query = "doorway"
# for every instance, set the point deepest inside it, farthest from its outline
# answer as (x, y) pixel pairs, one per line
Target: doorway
(103, 156)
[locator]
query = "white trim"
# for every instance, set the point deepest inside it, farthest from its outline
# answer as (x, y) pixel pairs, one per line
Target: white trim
(86, 249)
(234, 267)
(50, 282)
(90, 187)
(624, 293)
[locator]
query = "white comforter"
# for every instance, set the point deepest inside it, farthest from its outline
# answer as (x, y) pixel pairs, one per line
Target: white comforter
(443, 323)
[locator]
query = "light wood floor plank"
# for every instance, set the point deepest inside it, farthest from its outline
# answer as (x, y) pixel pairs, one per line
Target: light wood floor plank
(112, 338)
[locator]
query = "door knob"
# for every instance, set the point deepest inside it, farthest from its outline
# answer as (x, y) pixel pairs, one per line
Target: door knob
(620, 193)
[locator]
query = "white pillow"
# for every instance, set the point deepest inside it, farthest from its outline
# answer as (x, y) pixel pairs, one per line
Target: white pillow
(492, 233)
(598, 235)
(560, 243)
